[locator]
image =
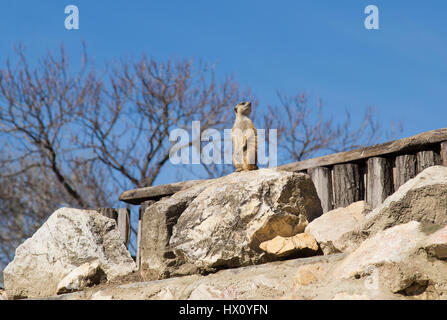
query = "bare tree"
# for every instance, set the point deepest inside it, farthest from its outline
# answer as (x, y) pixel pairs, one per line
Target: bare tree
(28, 198)
(90, 135)
(128, 125)
(38, 112)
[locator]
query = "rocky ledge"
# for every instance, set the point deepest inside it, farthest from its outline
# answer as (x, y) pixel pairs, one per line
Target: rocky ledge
(248, 236)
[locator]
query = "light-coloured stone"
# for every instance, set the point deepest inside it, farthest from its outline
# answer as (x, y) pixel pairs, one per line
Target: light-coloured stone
(265, 281)
(157, 261)
(224, 225)
(423, 199)
(331, 226)
(221, 224)
(400, 259)
(68, 239)
(86, 275)
(3, 295)
(286, 246)
(389, 246)
(436, 244)
(308, 274)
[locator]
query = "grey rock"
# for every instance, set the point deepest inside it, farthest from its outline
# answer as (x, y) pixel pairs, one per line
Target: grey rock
(423, 199)
(68, 239)
(225, 224)
(328, 230)
(86, 275)
(221, 223)
(406, 259)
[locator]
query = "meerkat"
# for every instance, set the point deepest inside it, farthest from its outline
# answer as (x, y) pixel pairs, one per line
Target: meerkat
(245, 140)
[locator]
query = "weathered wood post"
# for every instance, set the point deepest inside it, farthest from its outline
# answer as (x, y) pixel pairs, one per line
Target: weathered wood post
(405, 169)
(379, 183)
(444, 153)
(321, 177)
(124, 224)
(427, 159)
(347, 182)
(144, 205)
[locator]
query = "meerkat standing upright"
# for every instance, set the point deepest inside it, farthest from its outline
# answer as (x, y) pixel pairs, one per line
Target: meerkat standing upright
(245, 140)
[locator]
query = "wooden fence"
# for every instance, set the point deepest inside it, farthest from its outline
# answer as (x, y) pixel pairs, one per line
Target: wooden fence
(370, 174)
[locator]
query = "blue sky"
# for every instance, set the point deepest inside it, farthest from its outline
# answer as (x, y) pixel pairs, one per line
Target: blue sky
(320, 47)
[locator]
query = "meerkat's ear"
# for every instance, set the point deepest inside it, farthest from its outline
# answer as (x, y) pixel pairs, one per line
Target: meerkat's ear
(235, 109)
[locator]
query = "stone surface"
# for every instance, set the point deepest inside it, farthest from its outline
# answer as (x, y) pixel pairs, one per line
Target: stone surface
(220, 223)
(436, 244)
(423, 199)
(301, 243)
(272, 280)
(403, 259)
(329, 229)
(68, 239)
(157, 259)
(86, 275)
(225, 224)
(308, 274)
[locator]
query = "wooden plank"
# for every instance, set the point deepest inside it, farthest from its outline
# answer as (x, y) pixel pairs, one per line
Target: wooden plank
(322, 180)
(379, 183)
(347, 184)
(410, 144)
(137, 196)
(444, 153)
(405, 169)
(425, 159)
(124, 224)
(143, 207)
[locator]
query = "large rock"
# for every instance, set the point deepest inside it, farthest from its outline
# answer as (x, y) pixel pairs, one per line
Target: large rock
(423, 199)
(406, 259)
(68, 239)
(222, 223)
(225, 224)
(157, 259)
(328, 230)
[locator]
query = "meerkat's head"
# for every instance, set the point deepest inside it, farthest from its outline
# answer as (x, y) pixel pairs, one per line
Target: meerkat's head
(243, 108)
